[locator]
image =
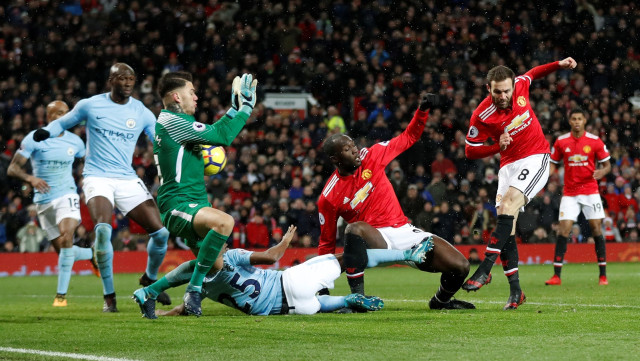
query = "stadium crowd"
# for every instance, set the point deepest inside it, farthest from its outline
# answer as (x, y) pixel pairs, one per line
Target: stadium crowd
(365, 63)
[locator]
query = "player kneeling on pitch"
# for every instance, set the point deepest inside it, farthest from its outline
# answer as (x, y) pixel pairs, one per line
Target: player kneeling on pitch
(235, 282)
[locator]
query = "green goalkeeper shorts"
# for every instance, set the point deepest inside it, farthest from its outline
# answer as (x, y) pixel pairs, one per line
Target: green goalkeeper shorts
(179, 221)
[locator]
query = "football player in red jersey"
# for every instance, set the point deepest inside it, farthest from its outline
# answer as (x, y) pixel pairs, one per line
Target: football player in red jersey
(579, 151)
(360, 192)
(506, 116)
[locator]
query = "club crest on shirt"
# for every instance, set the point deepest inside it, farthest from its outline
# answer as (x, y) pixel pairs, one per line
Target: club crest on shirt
(522, 101)
(70, 151)
(586, 149)
(366, 174)
(131, 123)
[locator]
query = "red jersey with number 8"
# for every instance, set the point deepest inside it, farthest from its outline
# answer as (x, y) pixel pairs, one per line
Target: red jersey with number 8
(367, 195)
(579, 157)
(488, 121)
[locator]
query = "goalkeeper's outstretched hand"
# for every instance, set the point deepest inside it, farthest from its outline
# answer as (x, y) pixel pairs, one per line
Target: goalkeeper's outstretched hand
(247, 94)
(429, 101)
(235, 91)
(41, 134)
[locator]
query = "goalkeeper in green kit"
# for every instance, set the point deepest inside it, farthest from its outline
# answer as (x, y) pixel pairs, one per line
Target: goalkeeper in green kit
(182, 197)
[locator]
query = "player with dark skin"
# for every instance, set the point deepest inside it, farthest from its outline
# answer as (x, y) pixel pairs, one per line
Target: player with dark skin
(344, 155)
(122, 78)
(67, 226)
(114, 122)
(360, 193)
(578, 122)
(592, 208)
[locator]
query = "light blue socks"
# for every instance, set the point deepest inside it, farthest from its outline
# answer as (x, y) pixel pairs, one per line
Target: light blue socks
(331, 303)
(81, 254)
(156, 249)
(104, 254)
(65, 263)
(378, 256)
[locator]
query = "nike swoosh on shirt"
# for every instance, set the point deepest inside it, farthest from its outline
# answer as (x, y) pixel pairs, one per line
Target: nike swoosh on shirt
(100, 117)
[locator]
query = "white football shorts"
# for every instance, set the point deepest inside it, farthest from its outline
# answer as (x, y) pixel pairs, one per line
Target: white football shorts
(589, 204)
(126, 194)
(52, 213)
(528, 175)
(404, 237)
(302, 282)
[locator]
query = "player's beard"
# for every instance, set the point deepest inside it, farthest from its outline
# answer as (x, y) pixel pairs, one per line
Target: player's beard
(502, 104)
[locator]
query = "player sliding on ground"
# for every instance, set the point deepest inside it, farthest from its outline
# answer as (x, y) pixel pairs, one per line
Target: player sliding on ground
(235, 282)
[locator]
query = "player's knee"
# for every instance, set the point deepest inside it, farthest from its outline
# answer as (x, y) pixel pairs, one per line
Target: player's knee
(461, 266)
(224, 224)
(66, 239)
(160, 237)
(356, 228)
(103, 237)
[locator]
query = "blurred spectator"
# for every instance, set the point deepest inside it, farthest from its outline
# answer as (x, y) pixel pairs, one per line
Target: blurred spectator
(30, 236)
(474, 257)
(424, 219)
(610, 231)
(443, 165)
(446, 222)
(576, 235)
(437, 188)
(412, 203)
(334, 121)
(539, 236)
(257, 233)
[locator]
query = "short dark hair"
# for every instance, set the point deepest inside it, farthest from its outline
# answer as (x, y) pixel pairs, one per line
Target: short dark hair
(500, 73)
(331, 145)
(173, 81)
(578, 110)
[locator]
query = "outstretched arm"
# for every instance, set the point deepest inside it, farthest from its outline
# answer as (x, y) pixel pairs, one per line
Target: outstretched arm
(414, 130)
(273, 254)
(546, 69)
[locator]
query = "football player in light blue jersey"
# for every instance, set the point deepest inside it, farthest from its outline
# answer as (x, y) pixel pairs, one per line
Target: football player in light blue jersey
(114, 122)
(235, 282)
(56, 197)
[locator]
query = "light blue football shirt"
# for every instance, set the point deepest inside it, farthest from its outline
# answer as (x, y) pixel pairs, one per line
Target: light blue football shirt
(52, 160)
(240, 285)
(112, 132)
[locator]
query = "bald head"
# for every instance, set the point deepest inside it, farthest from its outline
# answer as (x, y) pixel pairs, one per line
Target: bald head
(118, 69)
(56, 109)
(122, 79)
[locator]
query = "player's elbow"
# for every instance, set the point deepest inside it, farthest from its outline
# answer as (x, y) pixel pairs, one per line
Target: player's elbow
(269, 258)
(12, 171)
(469, 153)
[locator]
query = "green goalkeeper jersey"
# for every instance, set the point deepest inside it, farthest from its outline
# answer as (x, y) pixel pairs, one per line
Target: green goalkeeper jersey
(178, 155)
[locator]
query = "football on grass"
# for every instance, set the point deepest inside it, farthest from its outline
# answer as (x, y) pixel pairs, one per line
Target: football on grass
(214, 158)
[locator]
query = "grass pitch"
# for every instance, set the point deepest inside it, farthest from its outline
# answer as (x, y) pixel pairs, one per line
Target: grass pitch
(579, 320)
